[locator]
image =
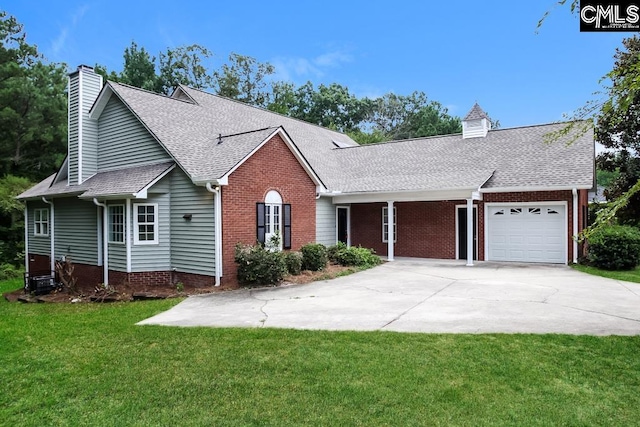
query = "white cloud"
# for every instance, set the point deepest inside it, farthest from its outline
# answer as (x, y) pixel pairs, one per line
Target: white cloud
(297, 68)
(58, 44)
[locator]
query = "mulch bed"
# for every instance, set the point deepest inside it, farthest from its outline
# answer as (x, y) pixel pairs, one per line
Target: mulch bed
(135, 293)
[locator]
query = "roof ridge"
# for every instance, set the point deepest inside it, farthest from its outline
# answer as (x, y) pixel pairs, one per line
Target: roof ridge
(395, 141)
(269, 111)
(150, 92)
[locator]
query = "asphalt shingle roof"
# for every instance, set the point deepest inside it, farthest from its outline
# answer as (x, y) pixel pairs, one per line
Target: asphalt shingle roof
(518, 157)
(104, 184)
(476, 113)
(191, 127)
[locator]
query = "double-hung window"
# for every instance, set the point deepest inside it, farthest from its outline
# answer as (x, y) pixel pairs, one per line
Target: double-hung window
(41, 222)
(116, 224)
(385, 224)
(145, 223)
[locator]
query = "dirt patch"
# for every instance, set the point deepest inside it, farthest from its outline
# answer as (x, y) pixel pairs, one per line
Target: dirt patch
(330, 272)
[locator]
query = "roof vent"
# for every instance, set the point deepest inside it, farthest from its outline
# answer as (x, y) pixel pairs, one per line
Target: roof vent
(476, 123)
(340, 144)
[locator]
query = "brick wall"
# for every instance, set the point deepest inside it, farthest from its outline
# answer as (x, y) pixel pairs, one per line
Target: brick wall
(428, 229)
(425, 229)
(272, 167)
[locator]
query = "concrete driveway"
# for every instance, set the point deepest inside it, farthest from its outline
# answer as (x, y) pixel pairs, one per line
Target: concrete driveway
(417, 295)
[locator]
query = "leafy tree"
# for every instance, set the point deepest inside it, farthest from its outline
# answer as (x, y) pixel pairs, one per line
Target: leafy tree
(139, 69)
(185, 65)
(33, 106)
(243, 79)
(616, 126)
(12, 219)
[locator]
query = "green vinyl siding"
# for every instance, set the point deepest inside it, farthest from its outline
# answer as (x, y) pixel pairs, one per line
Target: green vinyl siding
(124, 141)
(157, 256)
(40, 245)
(76, 230)
(192, 242)
(325, 221)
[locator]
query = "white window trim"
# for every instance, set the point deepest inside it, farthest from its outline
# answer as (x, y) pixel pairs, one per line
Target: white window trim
(124, 225)
(395, 224)
(40, 221)
(136, 240)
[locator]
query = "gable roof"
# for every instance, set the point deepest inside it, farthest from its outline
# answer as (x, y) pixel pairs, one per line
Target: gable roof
(513, 159)
(189, 130)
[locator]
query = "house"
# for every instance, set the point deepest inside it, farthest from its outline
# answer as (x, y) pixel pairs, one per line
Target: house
(160, 189)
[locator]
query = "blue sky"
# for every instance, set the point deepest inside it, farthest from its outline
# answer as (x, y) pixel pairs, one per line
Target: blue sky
(456, 52)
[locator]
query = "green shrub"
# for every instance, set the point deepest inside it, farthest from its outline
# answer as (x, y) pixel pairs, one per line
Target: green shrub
(615, 247)
(353, 256)
(314, 256)
(294, 262)
(259, 266)
(9, 271)
(333, 251)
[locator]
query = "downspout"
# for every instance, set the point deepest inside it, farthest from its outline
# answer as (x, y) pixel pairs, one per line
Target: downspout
(105, 241)
(52, 233)
(575, 225)
(26, 238)
(218, 229)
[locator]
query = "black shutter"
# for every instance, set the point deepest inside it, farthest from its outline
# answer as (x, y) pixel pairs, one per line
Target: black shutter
(286, 241)
(260, 222)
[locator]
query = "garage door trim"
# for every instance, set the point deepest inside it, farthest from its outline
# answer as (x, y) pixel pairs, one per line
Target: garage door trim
(556, 203)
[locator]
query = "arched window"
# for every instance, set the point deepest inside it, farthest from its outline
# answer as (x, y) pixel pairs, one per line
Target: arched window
(274, 219)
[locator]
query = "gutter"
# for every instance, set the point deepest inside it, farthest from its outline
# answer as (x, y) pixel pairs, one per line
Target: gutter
(52, 234)
(218, 228)
(105, 241)
(574, 215)
(26, 238)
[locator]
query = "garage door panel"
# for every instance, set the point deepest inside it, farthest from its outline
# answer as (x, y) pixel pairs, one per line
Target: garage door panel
(527, 233)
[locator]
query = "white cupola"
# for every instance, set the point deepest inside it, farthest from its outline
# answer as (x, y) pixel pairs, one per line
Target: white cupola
(476, 123)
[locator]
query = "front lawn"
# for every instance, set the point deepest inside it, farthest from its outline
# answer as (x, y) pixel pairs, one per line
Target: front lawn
(629, 275)
(88, 364)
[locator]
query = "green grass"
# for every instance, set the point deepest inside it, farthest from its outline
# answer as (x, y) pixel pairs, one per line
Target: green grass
(629, 275)
(88, 364)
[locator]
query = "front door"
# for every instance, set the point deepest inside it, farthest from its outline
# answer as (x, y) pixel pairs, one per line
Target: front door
(462, 233)
(343, 224)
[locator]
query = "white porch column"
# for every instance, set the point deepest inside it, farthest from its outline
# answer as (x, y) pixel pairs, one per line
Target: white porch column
(470, 232)
(391, 236)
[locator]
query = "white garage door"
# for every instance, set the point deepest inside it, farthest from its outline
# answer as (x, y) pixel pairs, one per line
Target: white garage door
(527, 233)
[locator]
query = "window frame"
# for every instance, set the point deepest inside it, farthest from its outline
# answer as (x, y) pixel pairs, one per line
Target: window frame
(137, 224)
(111, 224)
(38, 220)
(386, 223)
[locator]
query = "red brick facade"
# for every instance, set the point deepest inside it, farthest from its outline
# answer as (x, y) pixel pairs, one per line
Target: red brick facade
(92, 275)
(428, 229)
(272, 167)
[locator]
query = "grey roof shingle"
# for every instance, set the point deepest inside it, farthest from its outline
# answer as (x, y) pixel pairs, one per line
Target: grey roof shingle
(476, 113)
(118, 182)
(518, 157)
